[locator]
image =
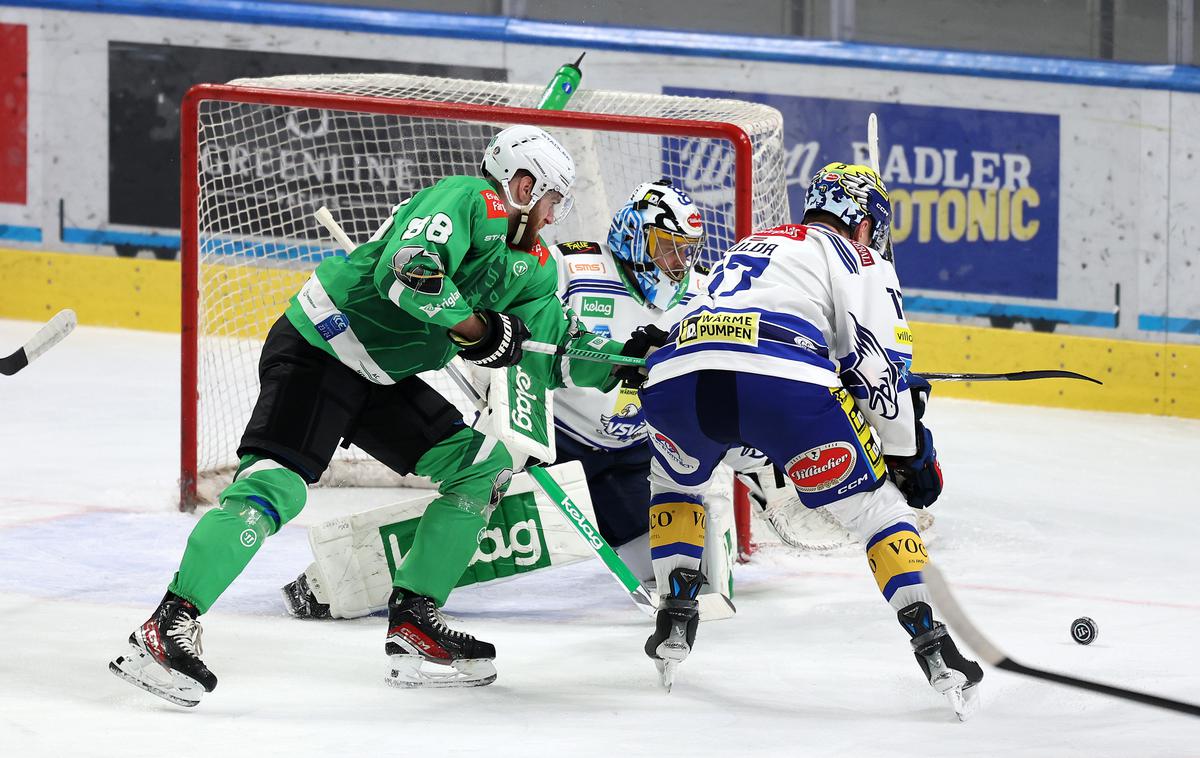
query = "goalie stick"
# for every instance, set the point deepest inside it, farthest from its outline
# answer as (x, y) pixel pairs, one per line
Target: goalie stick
(51, 333)
(985, 649)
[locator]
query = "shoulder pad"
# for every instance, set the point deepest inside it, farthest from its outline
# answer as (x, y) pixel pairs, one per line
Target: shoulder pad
(579, 246)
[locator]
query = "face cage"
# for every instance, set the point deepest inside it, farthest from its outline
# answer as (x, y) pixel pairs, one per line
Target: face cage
(660, 244)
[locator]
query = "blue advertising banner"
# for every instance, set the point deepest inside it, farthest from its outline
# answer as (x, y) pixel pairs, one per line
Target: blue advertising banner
(974, 193)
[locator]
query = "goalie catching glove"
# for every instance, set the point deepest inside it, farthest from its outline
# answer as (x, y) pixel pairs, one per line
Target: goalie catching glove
(919, 477)
(643, 341)
(500, 344)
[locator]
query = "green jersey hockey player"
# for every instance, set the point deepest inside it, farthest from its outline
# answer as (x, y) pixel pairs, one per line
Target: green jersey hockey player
(458, 270)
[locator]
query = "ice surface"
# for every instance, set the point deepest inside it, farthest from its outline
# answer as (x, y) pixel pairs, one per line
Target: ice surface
(1047, 515)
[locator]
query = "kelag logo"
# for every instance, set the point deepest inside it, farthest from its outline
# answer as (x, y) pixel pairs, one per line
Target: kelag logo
(974, 193)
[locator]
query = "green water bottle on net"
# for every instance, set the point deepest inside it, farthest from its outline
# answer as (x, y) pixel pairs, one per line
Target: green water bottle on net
(562, 86)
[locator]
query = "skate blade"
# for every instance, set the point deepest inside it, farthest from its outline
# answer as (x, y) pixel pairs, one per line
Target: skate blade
(409, 671)
(965, 701)
(666, 672)
(141, 670)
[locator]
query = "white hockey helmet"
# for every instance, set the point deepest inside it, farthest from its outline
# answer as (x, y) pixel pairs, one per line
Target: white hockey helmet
(532, 149)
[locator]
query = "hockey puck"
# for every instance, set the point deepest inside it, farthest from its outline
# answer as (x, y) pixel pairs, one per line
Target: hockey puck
(1084, 630)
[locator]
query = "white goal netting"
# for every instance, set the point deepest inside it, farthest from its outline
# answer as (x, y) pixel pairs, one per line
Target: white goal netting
(272, 151)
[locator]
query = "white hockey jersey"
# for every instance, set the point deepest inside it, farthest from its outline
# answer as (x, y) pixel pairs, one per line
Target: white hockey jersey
(804, 303)
(592, 283)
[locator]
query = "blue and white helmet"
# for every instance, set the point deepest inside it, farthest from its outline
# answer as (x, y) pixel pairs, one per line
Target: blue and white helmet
(659, 232)
(852, 192)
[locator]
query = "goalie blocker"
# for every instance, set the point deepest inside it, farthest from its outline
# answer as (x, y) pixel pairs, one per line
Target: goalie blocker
(355, 556)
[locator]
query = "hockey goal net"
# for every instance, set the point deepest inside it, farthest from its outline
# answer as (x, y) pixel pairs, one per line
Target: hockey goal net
(259, 156)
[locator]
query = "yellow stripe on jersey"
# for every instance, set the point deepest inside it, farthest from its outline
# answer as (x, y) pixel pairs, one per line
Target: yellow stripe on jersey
(866, 437)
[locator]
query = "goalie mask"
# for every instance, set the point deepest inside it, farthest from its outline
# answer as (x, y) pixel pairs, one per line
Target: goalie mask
(660, 233)
(853, 193)
(531, 149)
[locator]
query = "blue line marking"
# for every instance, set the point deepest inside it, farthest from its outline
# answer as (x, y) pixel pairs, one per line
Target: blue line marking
(980, 308)
(657, 41)
(1172, 324)
(20, 233)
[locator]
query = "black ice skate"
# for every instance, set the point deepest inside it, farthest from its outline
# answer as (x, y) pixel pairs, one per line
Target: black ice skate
(164, 655)
(301, 602)
(424, 652)
(675, 624)
(945, 668)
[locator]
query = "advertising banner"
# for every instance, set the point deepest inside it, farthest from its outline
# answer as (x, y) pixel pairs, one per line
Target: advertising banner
(975, 194)
(146, 85)
(14, 89)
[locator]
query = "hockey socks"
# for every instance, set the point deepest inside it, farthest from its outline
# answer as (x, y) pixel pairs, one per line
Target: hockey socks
(896, 555)
(263, 497)
(445, 541)
(677, 530)
(474, 472)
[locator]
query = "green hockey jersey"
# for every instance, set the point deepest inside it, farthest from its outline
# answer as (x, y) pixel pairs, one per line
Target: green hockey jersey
(385, 310)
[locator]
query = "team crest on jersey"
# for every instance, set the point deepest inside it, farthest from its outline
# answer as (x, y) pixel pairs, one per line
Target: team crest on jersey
(736, 328)
(880, 390)
(628, 424)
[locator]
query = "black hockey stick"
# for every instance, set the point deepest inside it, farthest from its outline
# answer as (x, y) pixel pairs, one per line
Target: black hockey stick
(954, 615)
(47, 337)
(1012, 376)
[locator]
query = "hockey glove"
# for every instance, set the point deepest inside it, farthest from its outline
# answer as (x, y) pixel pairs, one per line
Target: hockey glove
(641, 343)
(919, 387)
(919, 477)
(500, 345)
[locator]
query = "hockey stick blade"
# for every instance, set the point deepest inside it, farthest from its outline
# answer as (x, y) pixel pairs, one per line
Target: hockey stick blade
(1012, 376)
(985, 649)
(51, 333)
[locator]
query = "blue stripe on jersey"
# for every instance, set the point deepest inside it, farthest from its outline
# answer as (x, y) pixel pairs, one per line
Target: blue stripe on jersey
(596, 283)
(679, 548)
(848, 256)
(773, 349)
(571, 291)
(900, 580)
(903, 526)
(584, 282)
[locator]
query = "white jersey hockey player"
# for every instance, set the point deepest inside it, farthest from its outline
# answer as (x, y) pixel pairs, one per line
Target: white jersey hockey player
(802, 351)
(644, 274)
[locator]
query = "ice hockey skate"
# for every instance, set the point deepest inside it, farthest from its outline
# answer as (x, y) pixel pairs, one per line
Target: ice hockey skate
(164, 655)
(424, 652)
(945, 668)
(675, 625)
(301, 602)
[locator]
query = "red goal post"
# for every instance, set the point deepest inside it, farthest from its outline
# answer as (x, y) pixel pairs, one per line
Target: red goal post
(246, 217)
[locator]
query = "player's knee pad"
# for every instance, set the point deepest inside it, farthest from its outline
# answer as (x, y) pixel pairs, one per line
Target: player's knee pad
(677, 529)
(265, 487)
(866, 513)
